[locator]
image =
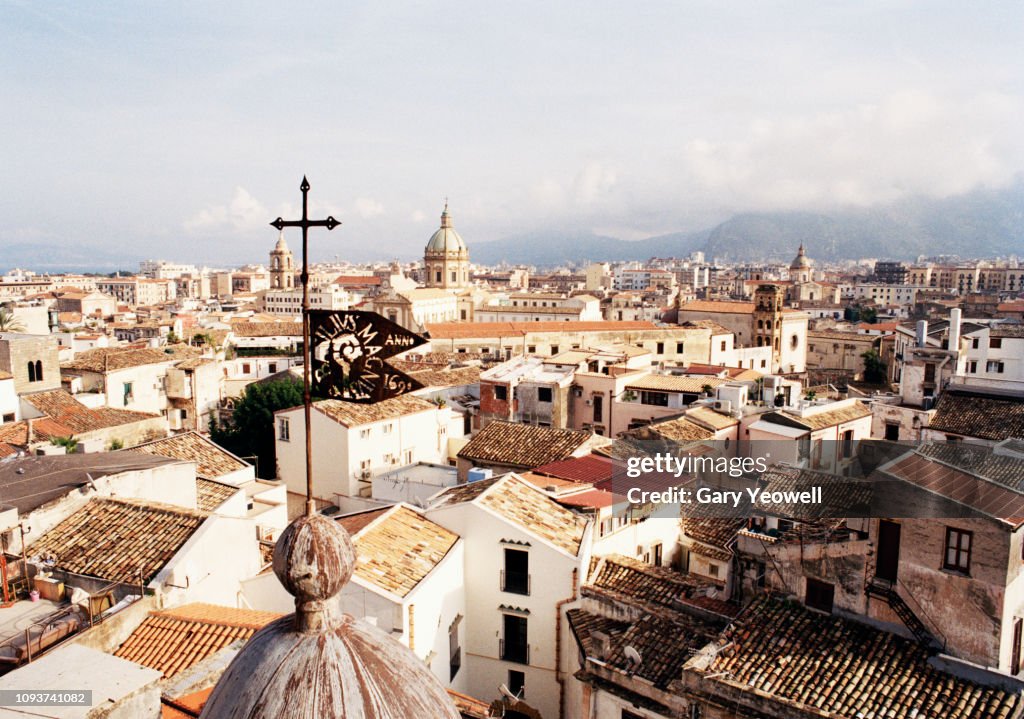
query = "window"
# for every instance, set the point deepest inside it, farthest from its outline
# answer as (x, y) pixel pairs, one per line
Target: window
(723, 345)
(820, 595)
(544, 394)
(958, 550)
(847, 444)
(679, 348)
(994, 366)
(31, 371)
(388, 428)
(515, 577)
(364, 433)
(974, 343)
(712, 570)
(517, 683)
(598, 407)
(658, 399)
(972, 367)
(513, 646)
(660, 348)
(892, 431)
(454, 649)
(283, 432)
(929, 372)
(272, 367)
(500, 392)
(531, 349)
(657, 554)
(246, 368)
(129, 394)
(995, 343)
(554, 350)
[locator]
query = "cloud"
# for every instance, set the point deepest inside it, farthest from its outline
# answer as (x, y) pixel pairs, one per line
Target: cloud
(367, 207)
(244, 212)
(910, 142)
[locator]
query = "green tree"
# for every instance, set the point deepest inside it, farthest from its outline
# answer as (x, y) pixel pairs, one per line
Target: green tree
(251, 430)
(8, 322)
(869, 315)
(70, 444)
(874, 367)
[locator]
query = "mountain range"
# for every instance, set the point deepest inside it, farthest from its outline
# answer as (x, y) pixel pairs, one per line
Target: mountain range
(981, 223)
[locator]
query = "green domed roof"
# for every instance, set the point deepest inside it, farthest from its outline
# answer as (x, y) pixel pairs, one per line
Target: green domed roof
(446, 239)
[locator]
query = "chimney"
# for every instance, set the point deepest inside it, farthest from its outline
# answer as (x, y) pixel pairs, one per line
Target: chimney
(922, 333)
(954, 329)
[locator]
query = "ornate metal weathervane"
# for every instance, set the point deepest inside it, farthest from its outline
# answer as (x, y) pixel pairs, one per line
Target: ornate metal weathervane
(305, 223)
(344, 352)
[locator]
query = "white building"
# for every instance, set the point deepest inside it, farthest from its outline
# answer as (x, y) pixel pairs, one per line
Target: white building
(524, 557)
(352, 443)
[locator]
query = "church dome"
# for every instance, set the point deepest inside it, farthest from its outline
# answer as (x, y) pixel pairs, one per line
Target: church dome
(281, 247)
(319, 662)
(800, 262)
(446, 239)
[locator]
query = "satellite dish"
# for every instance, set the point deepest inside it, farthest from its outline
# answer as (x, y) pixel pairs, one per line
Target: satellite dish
(507, 692)
(632, 655)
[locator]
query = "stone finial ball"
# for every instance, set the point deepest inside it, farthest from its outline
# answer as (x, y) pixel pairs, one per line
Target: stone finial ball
(314, 558)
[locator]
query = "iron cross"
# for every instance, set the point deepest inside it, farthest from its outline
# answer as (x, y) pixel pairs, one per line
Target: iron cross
(305, 223)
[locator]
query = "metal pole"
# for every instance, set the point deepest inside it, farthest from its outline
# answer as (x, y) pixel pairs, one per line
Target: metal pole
(307, 400)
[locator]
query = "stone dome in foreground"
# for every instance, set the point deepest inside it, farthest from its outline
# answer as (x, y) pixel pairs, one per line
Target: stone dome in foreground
(318, 662)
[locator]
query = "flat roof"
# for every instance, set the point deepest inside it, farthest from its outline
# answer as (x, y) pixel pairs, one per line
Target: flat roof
(74, 666)
(30, 482)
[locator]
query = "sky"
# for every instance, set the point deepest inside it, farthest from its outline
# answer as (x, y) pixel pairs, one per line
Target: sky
(178, 130)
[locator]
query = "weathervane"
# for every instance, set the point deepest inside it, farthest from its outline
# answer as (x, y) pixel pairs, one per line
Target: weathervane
(307, 403)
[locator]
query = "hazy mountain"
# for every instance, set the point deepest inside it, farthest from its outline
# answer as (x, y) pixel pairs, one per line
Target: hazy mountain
(46, 257)
(982, 223)
(560, 248)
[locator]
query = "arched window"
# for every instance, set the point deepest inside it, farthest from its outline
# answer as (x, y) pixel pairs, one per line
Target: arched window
(760, 324)
(767, 324)
(39, 370)
(31, 371)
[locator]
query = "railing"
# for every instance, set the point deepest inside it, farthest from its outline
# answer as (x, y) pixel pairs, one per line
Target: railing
(515, 582)
(518, 653)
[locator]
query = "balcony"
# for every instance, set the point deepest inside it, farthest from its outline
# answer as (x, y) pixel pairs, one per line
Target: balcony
(515, 582)
(513, 652)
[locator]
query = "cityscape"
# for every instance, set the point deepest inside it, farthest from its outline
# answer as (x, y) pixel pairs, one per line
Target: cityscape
(621, 392)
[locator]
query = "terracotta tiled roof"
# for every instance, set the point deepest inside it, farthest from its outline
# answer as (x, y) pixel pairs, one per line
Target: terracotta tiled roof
(744, 308)
(711, 418)
(113, 539)
(840, 668)
(399, 548)
(354, 280)
(978, 460)
(1009, 331)
(108, 359)
(679, 429)
(267, 329)
(840, 496)
(673, 383)
(65, 410)
(469, 707)
(174, 640)
(522, 445)
(210, 494)
(978, 415)
(350, 414)
(446, 377)
(713, 531)
(522, 503)
(988, 498)
(636, 582)
(211, 459)
(463, 330)
(591, 468)
(189, 706)
(29, 431)
(821, 420)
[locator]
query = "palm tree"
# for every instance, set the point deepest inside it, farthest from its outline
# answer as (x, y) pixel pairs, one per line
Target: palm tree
(8, 322)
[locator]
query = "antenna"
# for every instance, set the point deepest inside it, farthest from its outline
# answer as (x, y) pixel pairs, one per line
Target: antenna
(633, 656)
(508, 692)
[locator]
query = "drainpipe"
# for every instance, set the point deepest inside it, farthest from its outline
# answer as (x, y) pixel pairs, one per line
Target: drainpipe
(558, 643)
